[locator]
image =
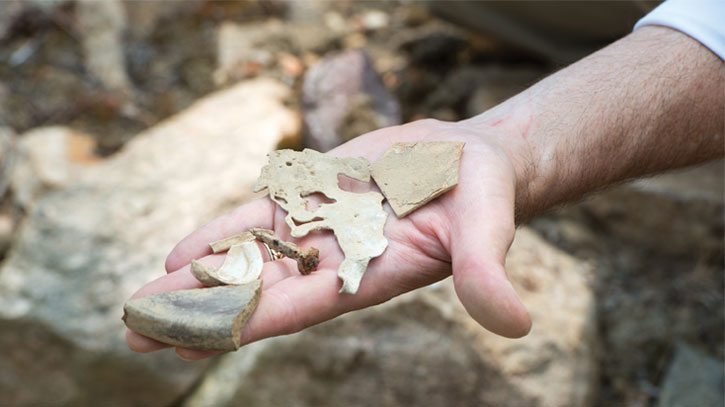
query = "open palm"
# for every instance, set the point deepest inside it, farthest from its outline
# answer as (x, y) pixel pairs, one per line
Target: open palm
(466, 232)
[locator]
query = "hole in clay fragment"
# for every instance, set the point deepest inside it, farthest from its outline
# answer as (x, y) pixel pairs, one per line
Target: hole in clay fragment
(348, 184)
(289, 164)
(314, 200)
(298, 223)
(280, 199)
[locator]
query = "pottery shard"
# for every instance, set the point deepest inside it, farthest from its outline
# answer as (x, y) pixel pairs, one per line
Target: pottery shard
(357, 219)
(206, 319)
(412, 174)
(242, 265)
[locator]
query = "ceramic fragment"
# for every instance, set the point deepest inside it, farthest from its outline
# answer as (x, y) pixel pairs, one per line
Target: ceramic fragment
(242, 265)
(412, 174)
(204, 319)
(357, 219)
(205, 274)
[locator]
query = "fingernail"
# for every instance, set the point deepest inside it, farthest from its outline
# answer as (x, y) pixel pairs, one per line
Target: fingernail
(182, 357)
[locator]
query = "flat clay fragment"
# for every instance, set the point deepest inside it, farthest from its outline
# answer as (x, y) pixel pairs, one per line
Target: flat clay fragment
(201, 318)
(412, 174)
(242, 265)
(356, 219)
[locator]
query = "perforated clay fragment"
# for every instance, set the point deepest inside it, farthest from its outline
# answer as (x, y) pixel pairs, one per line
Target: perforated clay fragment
(356, 219)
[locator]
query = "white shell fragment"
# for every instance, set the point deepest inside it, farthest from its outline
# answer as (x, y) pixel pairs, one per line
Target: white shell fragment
(412, 174)
(242, 265)
(357, 219)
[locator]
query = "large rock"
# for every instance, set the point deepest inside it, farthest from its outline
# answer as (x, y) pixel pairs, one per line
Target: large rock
(677, 213)
(49, 158)
(424, 349)
(657, 243)
(7, 158)
(493, 84)
(102, 25)
(343, 97)
(247, 50)
(693, 379)
(87, 247)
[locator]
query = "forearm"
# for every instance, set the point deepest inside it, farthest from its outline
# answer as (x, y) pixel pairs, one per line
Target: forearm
(649, 102)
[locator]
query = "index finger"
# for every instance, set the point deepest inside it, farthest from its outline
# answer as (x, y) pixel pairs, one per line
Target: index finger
(258, 213)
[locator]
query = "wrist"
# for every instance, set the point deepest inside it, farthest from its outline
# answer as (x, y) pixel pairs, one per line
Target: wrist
(508, 127)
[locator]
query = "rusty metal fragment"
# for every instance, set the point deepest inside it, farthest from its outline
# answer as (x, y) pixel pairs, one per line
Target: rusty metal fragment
(307, 259)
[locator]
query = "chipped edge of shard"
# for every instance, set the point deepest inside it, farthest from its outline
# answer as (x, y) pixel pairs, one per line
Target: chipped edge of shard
(393, 201)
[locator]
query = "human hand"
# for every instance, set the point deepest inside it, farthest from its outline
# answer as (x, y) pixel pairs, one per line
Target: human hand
(466, 233)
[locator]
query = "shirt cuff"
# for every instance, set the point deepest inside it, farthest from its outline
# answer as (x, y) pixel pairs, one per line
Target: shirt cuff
(703, 20)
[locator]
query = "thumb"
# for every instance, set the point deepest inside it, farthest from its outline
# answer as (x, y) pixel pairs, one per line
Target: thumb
(483, 232)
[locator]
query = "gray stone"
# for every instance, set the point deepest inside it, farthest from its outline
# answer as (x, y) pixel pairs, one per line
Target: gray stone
(495, 84)
(343, 97)
(7, 158)
(657, 246)
(423, 349)
(86, 247)
(239, 54)
(481, 88)
(688, 217)
(563, 34)
(693, 379)
(47, 159)
(102, 25)
(149, 14)
(7, 227)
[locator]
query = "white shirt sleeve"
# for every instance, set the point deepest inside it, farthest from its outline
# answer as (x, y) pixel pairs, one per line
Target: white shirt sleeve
(703, 20)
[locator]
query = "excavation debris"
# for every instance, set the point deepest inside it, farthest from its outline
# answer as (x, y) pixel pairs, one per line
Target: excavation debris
(242, 265)
(307, 259)
(412, 174)
(204, 319)
(357, 219)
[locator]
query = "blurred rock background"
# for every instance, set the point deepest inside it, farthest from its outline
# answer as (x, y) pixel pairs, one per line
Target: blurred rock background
(119, 118)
